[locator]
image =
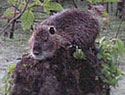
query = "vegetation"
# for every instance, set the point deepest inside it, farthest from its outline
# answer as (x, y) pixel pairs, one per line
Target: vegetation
(8, 81)
(24, 9)
(109, 52)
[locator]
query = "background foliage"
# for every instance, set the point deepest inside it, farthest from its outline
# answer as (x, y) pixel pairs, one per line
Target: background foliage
(27, 6)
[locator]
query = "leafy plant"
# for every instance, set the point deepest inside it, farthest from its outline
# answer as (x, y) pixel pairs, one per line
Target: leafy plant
(27, 19)
(12, 2)
(49, 5)
(9, 13)
(25, 10)
(8, 80)
(109, 51)
(79, 54)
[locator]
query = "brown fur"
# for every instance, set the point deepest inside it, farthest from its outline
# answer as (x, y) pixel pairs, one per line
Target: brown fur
(72, 27)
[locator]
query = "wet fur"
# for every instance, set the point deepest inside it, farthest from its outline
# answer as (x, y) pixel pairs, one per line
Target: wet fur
(62, 74)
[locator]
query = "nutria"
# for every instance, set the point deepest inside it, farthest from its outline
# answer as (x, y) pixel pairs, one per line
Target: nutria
(62, 74)
(71, 27)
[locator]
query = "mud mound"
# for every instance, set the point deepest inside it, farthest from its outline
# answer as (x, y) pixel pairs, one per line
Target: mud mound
(57, 77)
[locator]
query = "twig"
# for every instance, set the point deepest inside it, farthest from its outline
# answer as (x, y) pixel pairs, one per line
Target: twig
(74, 4)
(13, 26)
(16, 8)
(39, 11)
(118, 31)
(15, 18)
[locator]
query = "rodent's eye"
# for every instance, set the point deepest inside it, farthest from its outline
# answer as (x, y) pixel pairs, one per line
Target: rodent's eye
(52, 30)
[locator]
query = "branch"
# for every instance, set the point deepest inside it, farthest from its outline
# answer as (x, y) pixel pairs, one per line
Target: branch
(39, 11)
(118, 31)
(74, 4)
(16, 8)
(15, 18)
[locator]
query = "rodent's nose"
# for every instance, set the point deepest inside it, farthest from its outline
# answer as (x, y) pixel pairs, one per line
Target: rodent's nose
(36, 53)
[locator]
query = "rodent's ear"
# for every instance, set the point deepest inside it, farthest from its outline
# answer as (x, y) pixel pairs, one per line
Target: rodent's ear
(52, 30)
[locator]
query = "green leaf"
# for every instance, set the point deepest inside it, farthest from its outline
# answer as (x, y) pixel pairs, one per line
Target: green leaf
(78, 54)
(113, 67)
(52, 6)
(102, 40)
(114, 53)
(35, 2)
(99, 56)
(22, 5)
(120, 46)
(24, 65)
(27, 19)
(11, 67)
(9, 13)
(12, 2)
(111, 0)
(46, 1)
(118, 72)
(105, 14)
(1, 89)
(91, 1)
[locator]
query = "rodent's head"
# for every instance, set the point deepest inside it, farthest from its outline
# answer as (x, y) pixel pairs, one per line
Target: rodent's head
(45, 41)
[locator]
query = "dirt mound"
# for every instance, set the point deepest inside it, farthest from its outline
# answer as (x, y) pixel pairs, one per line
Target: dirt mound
(57, 77)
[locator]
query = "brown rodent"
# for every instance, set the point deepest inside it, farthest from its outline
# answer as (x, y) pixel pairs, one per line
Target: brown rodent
(66, 28)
